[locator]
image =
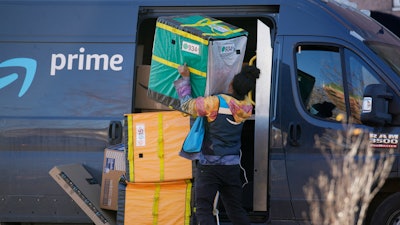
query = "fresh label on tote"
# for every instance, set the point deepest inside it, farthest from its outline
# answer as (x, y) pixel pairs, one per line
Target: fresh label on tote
(228, 48)
(190, 47)
(140, 135)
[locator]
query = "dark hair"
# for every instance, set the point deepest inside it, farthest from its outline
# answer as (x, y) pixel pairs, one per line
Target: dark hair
(245, 81)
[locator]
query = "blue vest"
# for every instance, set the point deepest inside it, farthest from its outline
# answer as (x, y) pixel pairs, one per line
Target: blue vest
(223, 135)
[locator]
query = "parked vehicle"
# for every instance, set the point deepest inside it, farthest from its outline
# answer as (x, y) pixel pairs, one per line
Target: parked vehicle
(68, 75)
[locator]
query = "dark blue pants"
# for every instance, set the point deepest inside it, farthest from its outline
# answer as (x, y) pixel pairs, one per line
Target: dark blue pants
(226, 180)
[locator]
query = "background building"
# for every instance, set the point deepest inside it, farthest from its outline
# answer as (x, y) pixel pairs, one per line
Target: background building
(387, 12)
(386, 6)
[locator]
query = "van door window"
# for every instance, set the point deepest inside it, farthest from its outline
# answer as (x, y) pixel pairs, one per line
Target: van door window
(359, 76)
(320, 80)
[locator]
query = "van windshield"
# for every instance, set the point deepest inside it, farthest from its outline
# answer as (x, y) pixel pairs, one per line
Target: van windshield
(389, 53)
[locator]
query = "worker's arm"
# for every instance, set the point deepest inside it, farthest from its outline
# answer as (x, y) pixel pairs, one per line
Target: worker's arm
(201, 106)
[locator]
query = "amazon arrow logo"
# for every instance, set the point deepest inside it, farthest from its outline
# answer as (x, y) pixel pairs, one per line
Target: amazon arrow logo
(30, 67)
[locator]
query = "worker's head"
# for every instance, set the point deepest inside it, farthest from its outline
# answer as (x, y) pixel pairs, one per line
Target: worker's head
(245, 81)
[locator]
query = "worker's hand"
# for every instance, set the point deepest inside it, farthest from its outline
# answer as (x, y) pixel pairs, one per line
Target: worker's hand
(184, 70)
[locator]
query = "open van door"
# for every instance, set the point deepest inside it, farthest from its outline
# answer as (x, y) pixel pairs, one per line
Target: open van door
(261, 136)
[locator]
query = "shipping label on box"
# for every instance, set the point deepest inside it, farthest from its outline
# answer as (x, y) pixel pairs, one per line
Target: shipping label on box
(154, 142)
(114, 158)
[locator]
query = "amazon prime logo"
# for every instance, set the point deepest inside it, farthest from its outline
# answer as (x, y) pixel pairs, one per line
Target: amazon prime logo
(30, 68)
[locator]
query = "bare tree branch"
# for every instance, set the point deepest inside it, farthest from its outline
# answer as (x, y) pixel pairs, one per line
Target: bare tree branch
(357, 172)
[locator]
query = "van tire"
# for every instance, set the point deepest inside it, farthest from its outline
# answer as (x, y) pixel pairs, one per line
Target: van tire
(388, 212)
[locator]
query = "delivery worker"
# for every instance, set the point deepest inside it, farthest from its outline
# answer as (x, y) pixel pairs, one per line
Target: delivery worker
(218, 163)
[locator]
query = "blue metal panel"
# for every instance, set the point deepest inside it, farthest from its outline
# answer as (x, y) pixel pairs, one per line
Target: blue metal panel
(61, 21)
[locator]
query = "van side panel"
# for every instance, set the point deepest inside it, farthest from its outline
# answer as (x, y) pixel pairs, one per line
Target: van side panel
(72, 21)
(66, 72)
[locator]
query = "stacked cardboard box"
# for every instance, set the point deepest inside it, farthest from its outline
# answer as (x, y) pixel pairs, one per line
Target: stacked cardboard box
(167, 203)
(142, 101)
(158, 180)
(213, 50)
(113, 169)
(154, 141)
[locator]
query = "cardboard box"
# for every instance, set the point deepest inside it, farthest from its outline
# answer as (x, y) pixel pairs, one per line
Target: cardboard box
(154, 142)
(142, 101)
(113, 168)
(75, 180)
(166, 203)
(213, 50)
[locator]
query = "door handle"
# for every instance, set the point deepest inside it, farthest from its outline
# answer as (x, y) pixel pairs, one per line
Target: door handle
(294, 134)
(115, 132)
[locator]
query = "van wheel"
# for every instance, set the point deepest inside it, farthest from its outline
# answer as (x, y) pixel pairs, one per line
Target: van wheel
(388, 212)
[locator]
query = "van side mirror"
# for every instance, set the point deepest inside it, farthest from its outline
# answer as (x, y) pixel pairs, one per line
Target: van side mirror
(375, 106)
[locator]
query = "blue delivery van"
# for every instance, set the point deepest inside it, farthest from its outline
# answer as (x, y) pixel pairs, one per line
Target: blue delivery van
(68, 74)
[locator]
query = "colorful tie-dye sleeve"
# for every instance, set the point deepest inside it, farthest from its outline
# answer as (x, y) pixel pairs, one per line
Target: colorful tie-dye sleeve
(201, 106)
